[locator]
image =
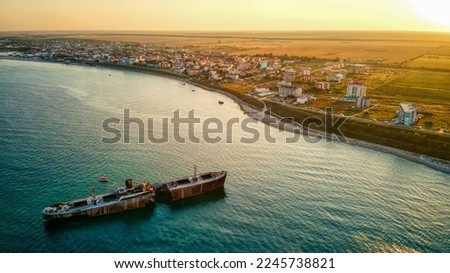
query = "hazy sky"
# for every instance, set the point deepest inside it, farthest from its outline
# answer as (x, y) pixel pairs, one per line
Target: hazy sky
(414, 15)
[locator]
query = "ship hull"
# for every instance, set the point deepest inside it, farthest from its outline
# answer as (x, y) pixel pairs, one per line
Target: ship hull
(124, 205)
(124, 199)
(188, 187)
(195, 190)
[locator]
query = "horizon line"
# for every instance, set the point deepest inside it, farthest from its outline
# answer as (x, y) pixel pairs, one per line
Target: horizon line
(231, 31)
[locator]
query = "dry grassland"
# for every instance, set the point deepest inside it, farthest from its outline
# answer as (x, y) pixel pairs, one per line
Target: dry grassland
(392, 47)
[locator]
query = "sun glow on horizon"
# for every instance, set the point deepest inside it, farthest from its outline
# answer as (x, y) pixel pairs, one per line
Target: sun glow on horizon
(437, 11)
(229, 15)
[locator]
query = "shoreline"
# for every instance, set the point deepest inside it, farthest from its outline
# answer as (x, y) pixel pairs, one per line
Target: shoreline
(431, 162)
(259, 114)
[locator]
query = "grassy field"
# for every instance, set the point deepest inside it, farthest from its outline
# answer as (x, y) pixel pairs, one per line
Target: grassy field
(438, 58)
(238, 87)
(390, 51)
(417, 86)
(442, 51)
(393, 47)
(380, 112)
(429, 91)
(431, 61)
(419, 141)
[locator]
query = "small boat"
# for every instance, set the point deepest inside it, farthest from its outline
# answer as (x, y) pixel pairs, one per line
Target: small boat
(193, 90)
(183, 83)
(221, 102)
(190, 186)
(103, 179)
(123, 199)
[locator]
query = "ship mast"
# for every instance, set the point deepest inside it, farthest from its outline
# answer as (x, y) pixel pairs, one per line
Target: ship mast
(93, 191)
(195, 171)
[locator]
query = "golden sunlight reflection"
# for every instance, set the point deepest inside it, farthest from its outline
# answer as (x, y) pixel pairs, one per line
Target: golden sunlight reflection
(378, 245)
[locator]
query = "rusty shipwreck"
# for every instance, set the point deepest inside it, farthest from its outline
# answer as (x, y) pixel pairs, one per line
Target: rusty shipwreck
(190, 186)
(123, 199)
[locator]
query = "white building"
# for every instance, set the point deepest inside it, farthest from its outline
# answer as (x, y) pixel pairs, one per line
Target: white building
(333, 78)
(302, 99)
(261, 89)
(363, 102)
(289, 76)
(262, 65)
(341, 64)
(356, 89)
(128, 61)
(307, 74)
(289, 90)
(407, 114)
(341, 76)
(233, 77)
(357, 68)
(215, 76)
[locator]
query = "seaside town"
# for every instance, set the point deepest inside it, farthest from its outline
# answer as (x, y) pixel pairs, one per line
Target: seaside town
(305, 82)
(231, 135)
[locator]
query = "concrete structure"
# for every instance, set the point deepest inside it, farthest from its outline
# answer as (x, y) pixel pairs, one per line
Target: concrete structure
(356, 89)
(289, 76)
(233, 77)
(362, 102)
(322, 85)
(261, 89)
(262, 65)
(263, 92)
(341, 64)
(307, 74)
(357, 68)
(128, 61)
(192, 72)
(407, 114)
(215, 76)
(289, 90)
(304, 98)
(285, 88)
(341, 76)
(333, 78)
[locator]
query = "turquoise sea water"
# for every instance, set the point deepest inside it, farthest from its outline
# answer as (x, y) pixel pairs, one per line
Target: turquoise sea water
(278, 197)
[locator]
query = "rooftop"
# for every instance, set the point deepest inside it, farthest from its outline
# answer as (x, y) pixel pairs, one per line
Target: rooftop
(407, 107)
(356, 83)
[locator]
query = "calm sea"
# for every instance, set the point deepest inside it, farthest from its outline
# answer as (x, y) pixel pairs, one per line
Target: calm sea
(278, 197)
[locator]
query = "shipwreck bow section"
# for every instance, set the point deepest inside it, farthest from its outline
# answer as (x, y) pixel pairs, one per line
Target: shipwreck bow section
(190, 186)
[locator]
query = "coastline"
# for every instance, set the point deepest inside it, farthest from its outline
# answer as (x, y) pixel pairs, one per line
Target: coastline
(259, 114)
(432, 162)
